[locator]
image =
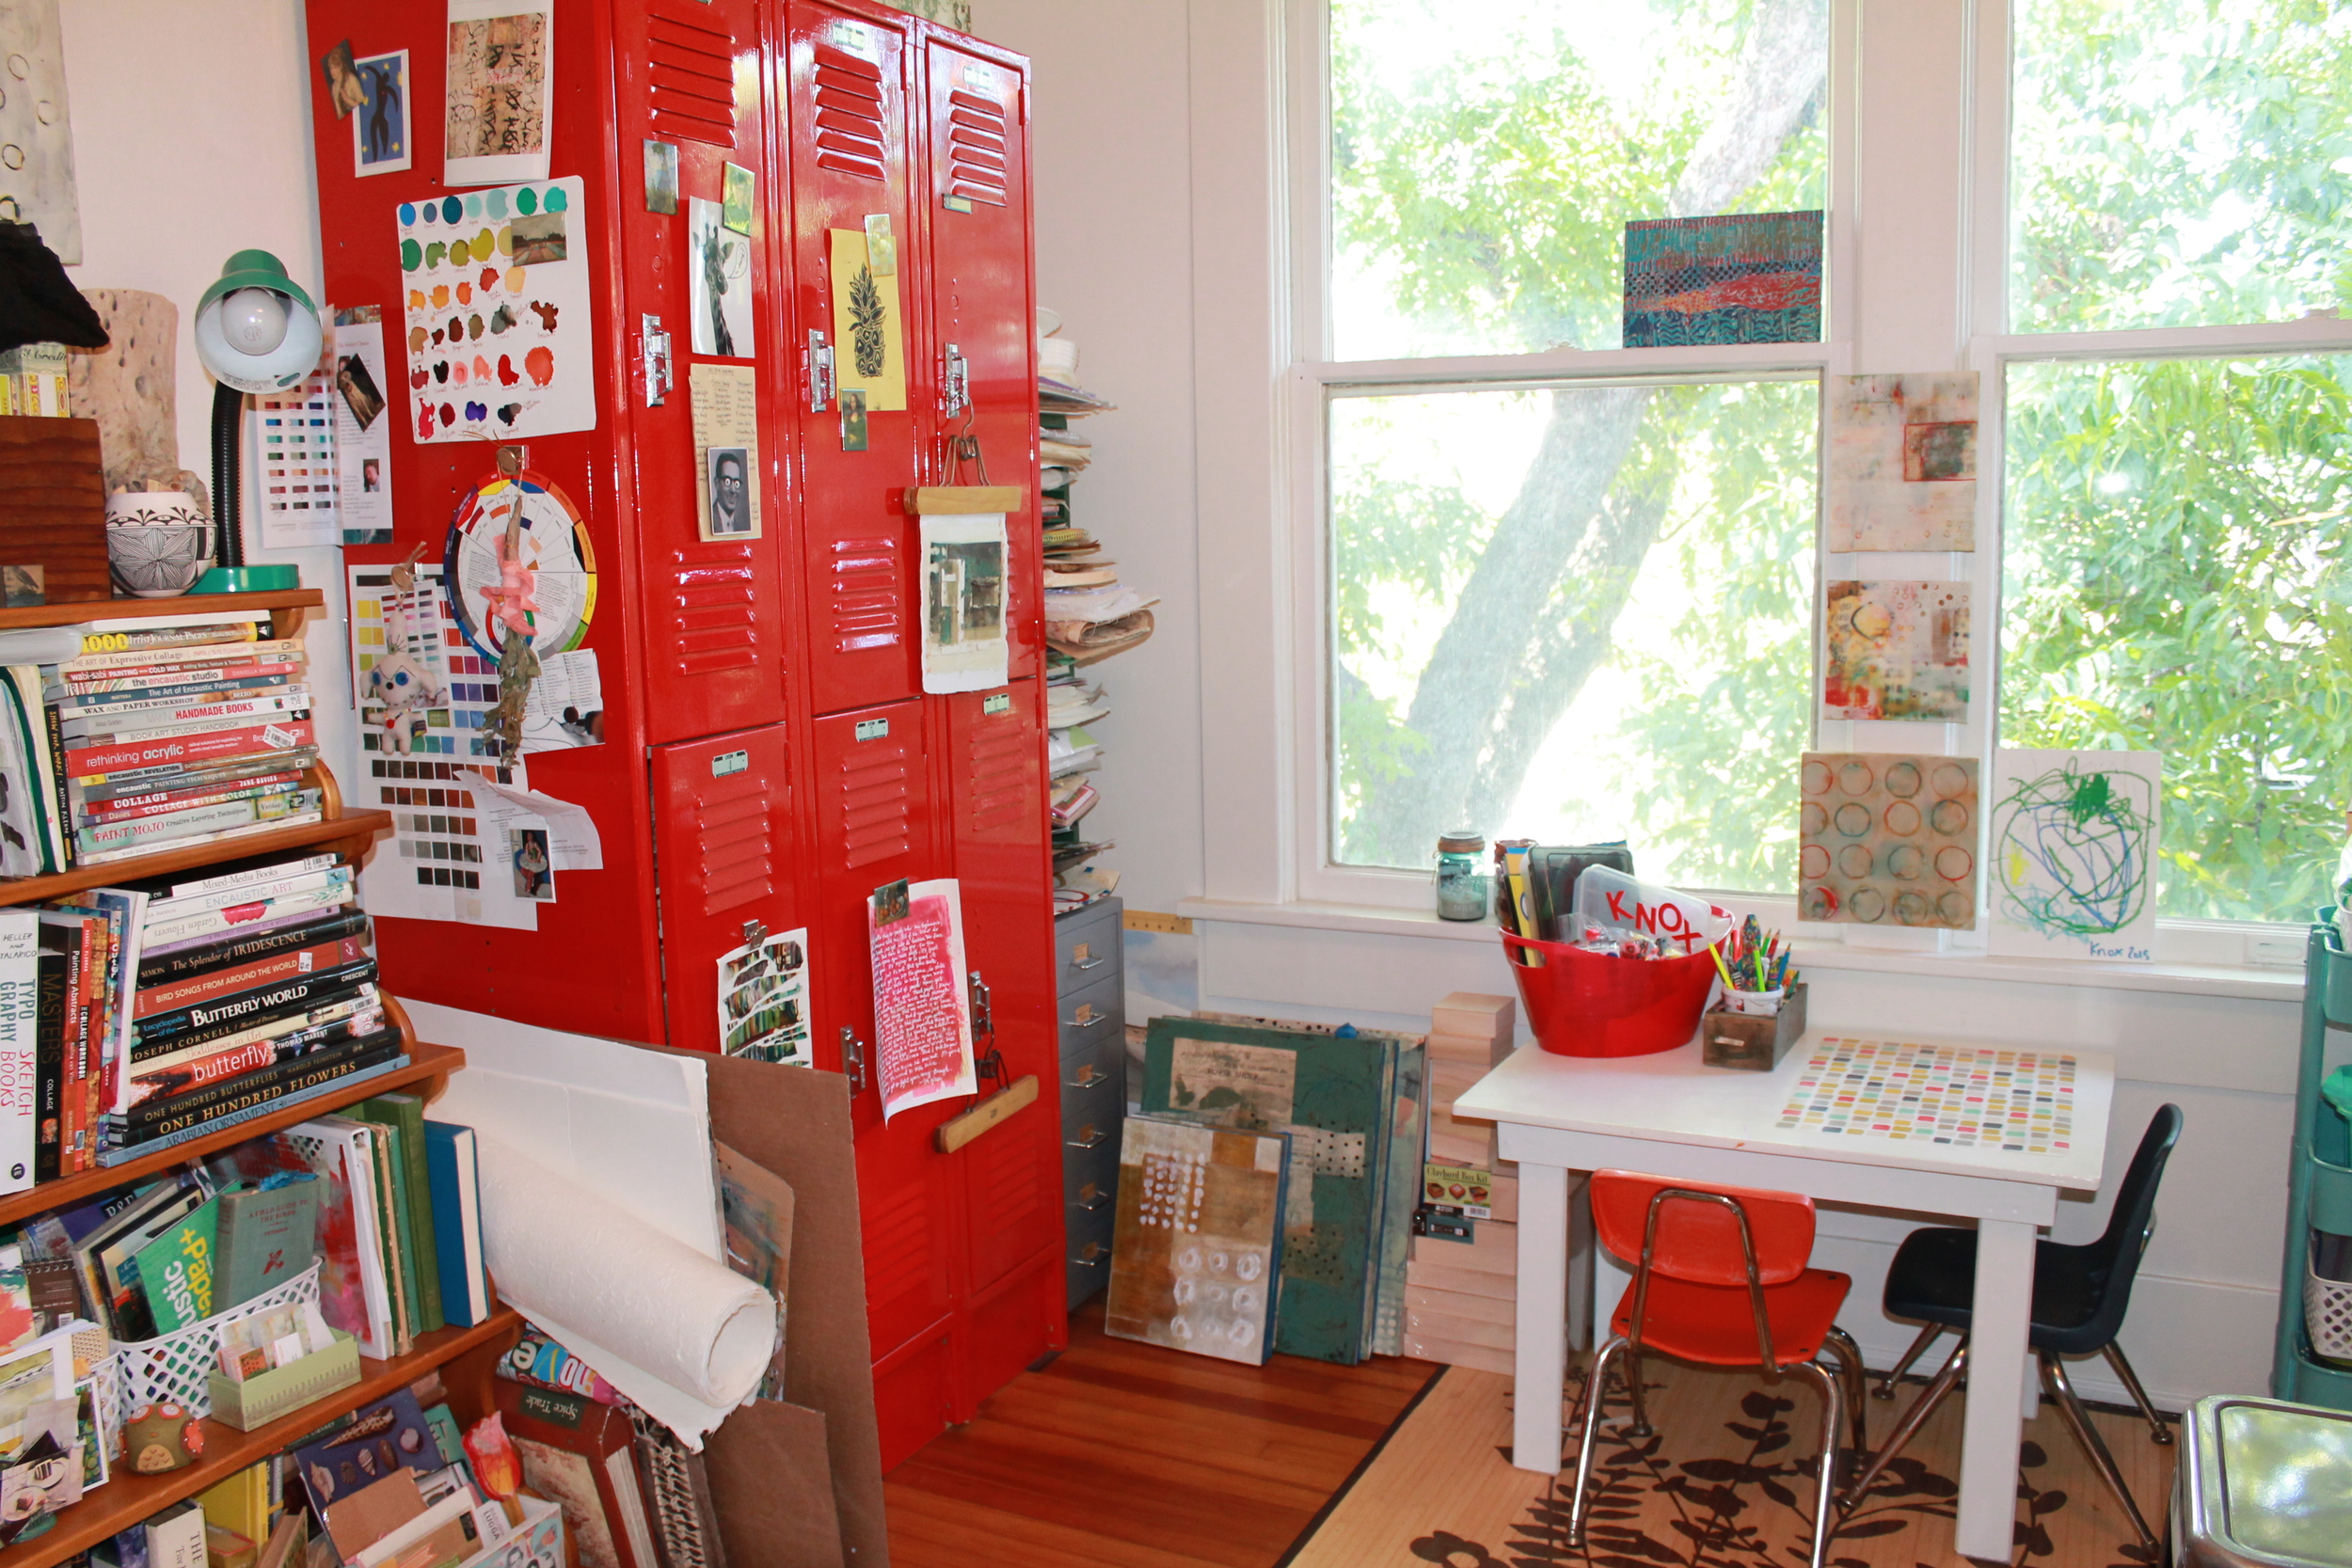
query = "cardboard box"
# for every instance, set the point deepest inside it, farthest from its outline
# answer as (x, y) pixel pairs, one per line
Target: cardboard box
(1473, 1147)
(1461, 1304)
(1468, 1049)
(1493, 1248)
(1459, 1331)
(282, 1390)
(1449, 1080)
(1452, 1353)
(1420, 1274)
(1476, 1014)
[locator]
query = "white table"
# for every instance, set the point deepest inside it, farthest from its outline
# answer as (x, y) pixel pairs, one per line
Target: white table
(1670, 1115)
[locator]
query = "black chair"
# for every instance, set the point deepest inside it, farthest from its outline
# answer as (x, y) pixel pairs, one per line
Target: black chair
(2079, 1297)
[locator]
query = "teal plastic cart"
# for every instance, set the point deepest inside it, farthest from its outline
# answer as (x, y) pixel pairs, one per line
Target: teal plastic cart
(2319, 1192)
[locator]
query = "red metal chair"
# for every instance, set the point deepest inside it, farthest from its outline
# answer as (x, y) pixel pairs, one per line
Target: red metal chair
(1721, 1279)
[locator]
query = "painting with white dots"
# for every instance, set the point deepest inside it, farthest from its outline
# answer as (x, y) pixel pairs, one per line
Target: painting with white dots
(1888, 839)
(495, 285)
(1197, 1246)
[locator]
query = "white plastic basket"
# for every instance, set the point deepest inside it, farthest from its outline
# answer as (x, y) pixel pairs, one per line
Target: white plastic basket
(174, 1368)
(2327, 1308)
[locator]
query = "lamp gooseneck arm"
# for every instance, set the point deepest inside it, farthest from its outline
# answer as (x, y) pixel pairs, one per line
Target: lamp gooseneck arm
(228, 509)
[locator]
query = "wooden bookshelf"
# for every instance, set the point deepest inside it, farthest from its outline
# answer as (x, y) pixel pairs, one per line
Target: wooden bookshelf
(465, 1354)
(290, 610)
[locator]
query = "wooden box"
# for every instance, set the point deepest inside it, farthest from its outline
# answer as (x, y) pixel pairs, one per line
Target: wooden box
(1753, 1043)
(53, 504)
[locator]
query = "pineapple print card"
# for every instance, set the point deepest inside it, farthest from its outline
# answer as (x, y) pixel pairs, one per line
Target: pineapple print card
(869, 352)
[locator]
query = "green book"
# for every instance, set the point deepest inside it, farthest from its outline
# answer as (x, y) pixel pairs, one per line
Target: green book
(177, 1270)
(268, 1235)
(403, 1117)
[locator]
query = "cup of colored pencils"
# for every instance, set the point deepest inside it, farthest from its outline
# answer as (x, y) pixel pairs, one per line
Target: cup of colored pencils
(1754, 968)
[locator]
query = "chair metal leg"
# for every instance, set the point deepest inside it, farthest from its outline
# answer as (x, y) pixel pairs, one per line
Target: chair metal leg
(1927, 1335)
(1825, 1511)
(1596, 1394)
(1913, 1418)
(1841, 1344)
(2157, 1432)
(1638, 1426)
(2054, 1374)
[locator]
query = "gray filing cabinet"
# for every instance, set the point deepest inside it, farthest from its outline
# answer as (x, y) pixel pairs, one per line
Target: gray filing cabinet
(1091, 992)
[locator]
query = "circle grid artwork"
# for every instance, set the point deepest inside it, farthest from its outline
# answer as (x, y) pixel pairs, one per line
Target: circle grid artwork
(1888, 840)
(1963, 1097)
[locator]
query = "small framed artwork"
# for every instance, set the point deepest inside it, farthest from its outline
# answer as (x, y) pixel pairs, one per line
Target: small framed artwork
(380, 125)
(736, 208)
(23, 587)
(661, 176)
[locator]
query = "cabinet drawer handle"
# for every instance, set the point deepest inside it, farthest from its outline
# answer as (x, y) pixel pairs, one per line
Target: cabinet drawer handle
(1088, 1078)
(1090, 963)
(1091, 1197)
(1094, 1255)
(1089, 1136)
(1086, 1022)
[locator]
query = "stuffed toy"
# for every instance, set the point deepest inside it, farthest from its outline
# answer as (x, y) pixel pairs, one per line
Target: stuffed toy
(160, 1437)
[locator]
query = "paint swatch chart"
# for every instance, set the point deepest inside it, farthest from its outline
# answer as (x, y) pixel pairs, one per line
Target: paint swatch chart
(1966, 1097)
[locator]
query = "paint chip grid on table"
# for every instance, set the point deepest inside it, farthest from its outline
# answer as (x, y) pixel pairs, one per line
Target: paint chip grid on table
(2022, 1102)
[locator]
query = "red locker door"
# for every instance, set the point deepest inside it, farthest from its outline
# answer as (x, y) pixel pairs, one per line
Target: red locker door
(982, 305)
(847, 120)
(689, 75)
(996, 788)
(725, 857)
(875, 826)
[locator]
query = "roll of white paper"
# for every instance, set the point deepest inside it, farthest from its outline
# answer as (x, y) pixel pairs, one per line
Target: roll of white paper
(566, 1256)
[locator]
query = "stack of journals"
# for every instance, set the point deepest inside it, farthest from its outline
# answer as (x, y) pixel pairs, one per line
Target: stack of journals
(1461, 1286)
(170, 1007)
(163, 733)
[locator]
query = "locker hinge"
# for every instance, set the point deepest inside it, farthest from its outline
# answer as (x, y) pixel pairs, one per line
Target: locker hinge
(954, 382)
(816, 364)
(853, 1059)
(656, 357)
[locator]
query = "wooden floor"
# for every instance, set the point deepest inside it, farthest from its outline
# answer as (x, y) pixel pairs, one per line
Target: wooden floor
(1117, 1453)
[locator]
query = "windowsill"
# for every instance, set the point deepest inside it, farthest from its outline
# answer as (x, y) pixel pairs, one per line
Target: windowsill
(2245, 983)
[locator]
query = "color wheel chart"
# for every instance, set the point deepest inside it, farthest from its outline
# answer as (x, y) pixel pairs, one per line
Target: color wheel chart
(1966, 1097)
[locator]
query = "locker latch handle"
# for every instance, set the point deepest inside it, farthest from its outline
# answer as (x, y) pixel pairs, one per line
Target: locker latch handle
(659, 375)
(817, 362)
(853, 1059)
(954, 382)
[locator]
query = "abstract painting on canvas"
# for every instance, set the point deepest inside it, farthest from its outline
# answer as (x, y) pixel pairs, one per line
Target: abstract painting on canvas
(1750, 278)
(1896, 650)
(1902, 462)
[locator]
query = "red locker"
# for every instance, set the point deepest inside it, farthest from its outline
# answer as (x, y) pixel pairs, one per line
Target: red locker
(768, 754)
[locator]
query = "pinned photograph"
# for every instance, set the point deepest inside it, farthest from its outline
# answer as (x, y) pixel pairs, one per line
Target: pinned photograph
(660, 177)
(730, 478)
(538, 239)
(736, 211)
(891, 902)
(362, 395)
(379, 130)
(965, 648)
(534, 868)
(763, 1000)
(721, 263)
(344, 92)
(25, 587)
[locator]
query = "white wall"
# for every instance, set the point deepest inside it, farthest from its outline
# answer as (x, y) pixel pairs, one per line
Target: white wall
(192, 141)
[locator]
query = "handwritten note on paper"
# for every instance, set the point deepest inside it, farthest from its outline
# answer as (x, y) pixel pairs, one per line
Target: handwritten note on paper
(922, 1034)
(726, 417)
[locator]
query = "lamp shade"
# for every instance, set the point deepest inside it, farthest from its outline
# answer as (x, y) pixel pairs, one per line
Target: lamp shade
(256, 330)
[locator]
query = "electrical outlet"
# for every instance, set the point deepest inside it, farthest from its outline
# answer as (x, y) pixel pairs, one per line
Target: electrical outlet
(1152, 919)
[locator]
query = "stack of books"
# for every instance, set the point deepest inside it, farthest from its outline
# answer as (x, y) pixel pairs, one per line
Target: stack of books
(152, 1013)
(163, 733)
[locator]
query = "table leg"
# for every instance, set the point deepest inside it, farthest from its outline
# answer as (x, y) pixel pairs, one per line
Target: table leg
(1539, 1365)
(1997, 1354)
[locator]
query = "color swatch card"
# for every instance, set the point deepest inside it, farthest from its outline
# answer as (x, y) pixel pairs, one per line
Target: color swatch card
(1886, 839)
(1966, 1097)
(500, 342)
(2074, 853)
(1896, 650)
(1196, 1252)
(294, 462)
(1902, 462)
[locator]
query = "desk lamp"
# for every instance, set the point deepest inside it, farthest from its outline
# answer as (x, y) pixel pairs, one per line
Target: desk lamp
(256, 331)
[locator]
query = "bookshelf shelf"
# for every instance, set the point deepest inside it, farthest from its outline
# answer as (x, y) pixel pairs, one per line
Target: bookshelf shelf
(129, 1499)
(357, 829)
(72, 613)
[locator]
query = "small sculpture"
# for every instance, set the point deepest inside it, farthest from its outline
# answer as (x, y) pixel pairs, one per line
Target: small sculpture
(161, 1437)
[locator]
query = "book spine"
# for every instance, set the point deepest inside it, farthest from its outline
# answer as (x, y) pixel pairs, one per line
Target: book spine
(273, 787)
(254, 875)
(202, 819)
(147, 1055)
(315, 958)
(49, 1061)
(84, 703)
(280, 883)
(74, 1134)
(102, 788)
(241, 1101)
(163, 1033)
(271, 825)
(20, 1045)
(143, 680)
(190, 750)
(178, 1111)
(134, 656)
(206, 922)
(238, 948)
(403, 1115)
(140, 1148)
(179, 1078)
(64, 847)
(192, 718)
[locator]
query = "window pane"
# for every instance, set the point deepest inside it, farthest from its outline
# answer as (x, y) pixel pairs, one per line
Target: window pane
(2176, 581)
(2179, 163)
(1574, 615)
(1485, 159)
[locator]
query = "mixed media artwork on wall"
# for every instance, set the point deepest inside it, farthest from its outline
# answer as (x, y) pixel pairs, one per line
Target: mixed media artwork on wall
(1902, 462)
(1749, 278)
(1896, 650)
(2074, 853)
(1887, 839)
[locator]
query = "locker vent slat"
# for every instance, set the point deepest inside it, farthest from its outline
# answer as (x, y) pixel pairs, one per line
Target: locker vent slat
(1005, 1169)
(714, 620)
(850, 134)
(734, 842)
(689, 68)
(898, 1251)
(974, 158)
(997, 756)
(875, 809)
(867, 610)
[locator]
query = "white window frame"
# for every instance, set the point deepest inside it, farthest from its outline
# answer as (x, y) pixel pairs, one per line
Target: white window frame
(1919, 161)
